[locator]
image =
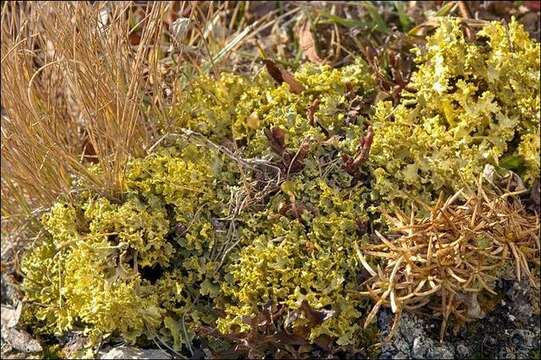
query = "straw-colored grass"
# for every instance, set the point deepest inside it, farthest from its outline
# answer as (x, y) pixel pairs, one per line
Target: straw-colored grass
(73, 94)
(90, 84)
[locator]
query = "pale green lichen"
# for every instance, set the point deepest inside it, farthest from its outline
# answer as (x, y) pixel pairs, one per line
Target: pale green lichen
(468, 103)
(173, 254)
(73, 277)
(91, 268)
(237, 108)
(291, 257)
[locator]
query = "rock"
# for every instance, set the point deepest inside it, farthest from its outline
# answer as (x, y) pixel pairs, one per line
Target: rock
(412, 340)
(490, 341)
(75, 342)
(510, 329)
(401, 355)
(9, 293)
(20, 340)
(10, 316)
(421, 346)
(441, 352)
(523, 339)
(128, 352)
(462, 351)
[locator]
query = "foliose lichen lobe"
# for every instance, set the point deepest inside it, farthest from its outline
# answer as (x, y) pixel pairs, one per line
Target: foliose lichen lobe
(174, 249)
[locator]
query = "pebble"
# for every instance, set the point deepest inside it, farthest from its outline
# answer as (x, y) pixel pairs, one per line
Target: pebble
(128, 352)
(441, 352)
(514, 337)
(419, 348)
(401, 355)
(463, 351)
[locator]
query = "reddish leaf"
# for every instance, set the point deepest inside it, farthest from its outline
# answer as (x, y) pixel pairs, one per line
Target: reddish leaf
(313, 316)
(276, 137)
(281, 75)
(312, 111)
(295, 162)
(352, 165)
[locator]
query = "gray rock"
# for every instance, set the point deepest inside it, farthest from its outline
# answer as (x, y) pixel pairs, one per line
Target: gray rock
(462, 351)
(401, 355)
(509, 330)
(523, 339)
(20, 340)
(421, 346)
(128, 352)
(441, 352)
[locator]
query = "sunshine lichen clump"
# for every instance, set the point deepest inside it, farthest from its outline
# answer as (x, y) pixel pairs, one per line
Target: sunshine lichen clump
(166, 254)
(301, 249)
(470, 103)
(258, 207)
(78, 274)
(220, 110)
(93, 266)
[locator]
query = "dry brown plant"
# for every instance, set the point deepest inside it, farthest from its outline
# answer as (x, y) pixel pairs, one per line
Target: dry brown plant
(87, 84)
(442, 262)
(73, 93)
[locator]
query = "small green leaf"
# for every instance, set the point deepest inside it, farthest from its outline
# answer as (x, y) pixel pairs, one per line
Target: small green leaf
(174, 327)
(512, 162)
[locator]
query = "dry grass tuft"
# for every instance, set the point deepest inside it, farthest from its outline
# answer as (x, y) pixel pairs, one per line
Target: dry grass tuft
(73, 92)
(87, 84)
(444, 261)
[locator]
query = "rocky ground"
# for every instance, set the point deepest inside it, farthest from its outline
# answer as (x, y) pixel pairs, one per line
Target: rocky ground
(510, 331)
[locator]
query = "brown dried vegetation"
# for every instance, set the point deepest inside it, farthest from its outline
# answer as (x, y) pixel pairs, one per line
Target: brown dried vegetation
(445, 260)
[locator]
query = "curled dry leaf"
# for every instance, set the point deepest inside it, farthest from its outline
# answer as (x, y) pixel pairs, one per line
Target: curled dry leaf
(315, 317)
(19, 340)
(281, 75)
(276, 137)
(312, 111)
(308, 43)
(351, 165)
